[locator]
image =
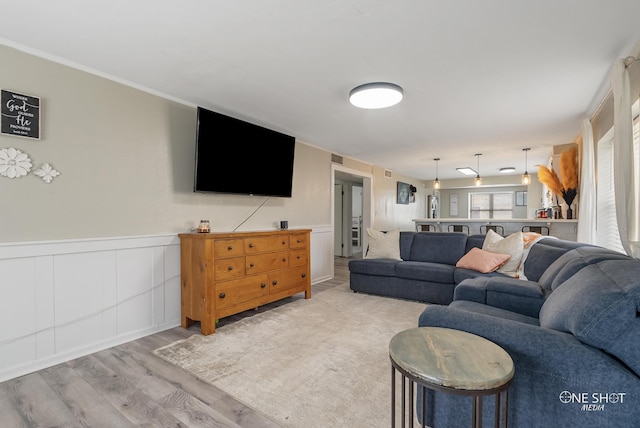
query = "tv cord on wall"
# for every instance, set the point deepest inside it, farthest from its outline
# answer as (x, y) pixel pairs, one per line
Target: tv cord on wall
(251, 215)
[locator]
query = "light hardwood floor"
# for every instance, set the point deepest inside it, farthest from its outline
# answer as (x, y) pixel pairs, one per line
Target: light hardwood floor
(128, 386)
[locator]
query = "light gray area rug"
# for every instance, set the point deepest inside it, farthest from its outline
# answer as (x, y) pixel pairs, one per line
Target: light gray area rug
(322, 362)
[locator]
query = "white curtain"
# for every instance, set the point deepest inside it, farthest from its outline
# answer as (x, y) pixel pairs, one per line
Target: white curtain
(587, 204)
(623, 158)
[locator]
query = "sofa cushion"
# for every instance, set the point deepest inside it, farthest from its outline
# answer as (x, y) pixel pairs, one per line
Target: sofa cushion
(474, 241)
(562, 269)
(461, 274)
(513, 245)
(377, 267)
(598, 305)
(515, 295)
(479, 308)
(540, 257)
(482, 261)
(572, 261)
(438, 247)
(425, 271)
(406, 238)
(383, 245)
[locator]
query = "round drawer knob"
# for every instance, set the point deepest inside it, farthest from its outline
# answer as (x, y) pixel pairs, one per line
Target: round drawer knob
(230, 247)
(230, 268)
(284, 242)
(275, 282)
(304, 275)
(263, 285)
(222, 295)
(284, 259)
(250, 245)
(251, 265)
(299, 257)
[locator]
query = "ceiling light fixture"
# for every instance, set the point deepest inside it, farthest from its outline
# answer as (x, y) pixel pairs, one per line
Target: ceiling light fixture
(526, 178)
(376, 95)
(436, 182)
(478, 180)
(507, 169)
(467, 171)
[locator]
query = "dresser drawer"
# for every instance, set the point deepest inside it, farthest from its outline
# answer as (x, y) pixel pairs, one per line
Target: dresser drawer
(298, 240)
(228, 268)
(238, 291)
(261, 244)
(266, 262)
(287, 278)
(298, 258)
(228, 248)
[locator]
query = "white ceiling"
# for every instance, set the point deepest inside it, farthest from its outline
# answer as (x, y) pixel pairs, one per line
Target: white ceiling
(490, 77)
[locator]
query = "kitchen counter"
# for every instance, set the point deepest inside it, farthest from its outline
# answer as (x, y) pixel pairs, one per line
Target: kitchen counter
(563, 229)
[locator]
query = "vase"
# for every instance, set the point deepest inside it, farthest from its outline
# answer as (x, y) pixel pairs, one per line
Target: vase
(569, 212)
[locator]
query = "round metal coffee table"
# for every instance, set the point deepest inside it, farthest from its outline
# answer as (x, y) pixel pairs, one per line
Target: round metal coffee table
(450, 361)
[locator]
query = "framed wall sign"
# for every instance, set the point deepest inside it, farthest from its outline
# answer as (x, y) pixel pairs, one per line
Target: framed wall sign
(20, 114)
(403, 193)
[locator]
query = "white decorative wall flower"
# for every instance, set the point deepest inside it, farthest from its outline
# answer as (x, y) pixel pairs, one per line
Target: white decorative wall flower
(14, 163)
(46, 172)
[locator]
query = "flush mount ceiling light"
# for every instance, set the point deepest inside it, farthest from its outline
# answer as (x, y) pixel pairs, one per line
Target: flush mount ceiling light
(375, 95)
(467, 171)
(507, 169)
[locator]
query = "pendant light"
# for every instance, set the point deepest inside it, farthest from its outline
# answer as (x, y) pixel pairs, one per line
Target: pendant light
(526, 178)
(436, 182)
(478, 180)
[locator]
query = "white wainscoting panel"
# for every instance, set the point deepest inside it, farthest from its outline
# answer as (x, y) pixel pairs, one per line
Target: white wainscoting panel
(321, 254)
(61, 300)
(64, 299)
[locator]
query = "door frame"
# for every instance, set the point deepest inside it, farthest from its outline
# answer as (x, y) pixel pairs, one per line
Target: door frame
(367, 203)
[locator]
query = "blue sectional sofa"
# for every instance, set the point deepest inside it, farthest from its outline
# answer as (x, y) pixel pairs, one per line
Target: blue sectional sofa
(427, 270)
(572, 328)
(574, 337)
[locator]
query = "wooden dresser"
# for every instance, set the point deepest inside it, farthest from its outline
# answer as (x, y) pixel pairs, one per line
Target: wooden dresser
(226, 273)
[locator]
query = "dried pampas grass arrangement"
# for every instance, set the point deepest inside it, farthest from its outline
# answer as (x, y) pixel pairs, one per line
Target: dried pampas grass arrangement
(569, 168)
(550, 179)
(568, 187)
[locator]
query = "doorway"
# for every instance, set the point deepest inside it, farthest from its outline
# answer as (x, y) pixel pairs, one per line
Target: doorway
(352, 212)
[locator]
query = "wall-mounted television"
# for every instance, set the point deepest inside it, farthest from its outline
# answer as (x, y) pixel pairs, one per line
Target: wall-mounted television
(238, 157)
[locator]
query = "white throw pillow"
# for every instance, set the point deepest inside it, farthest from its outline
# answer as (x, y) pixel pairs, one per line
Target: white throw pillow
(383, 245)
(512, 245)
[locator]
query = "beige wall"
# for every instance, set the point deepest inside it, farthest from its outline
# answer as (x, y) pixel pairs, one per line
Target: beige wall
(510, 183)
(126, 162)
(387, 213)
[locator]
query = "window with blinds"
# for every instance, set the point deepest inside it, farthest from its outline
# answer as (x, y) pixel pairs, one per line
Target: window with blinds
(607, 234)
(491, 205)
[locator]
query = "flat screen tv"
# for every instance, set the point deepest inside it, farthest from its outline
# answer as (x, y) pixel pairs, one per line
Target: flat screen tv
(237, 157)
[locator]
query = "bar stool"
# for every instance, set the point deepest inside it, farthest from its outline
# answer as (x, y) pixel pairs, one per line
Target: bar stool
(459, 228)
(426, 228)
(542, 230)
(495, 227)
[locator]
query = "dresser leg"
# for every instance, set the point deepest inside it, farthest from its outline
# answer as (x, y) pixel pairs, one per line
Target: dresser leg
(186, 322)
(207, 327)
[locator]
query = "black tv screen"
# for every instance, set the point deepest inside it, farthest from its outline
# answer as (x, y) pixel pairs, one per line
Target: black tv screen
(238, 157)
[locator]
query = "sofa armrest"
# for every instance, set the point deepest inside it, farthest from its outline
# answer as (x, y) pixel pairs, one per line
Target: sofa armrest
(523, 297)
(554, 352)
(548, 362)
